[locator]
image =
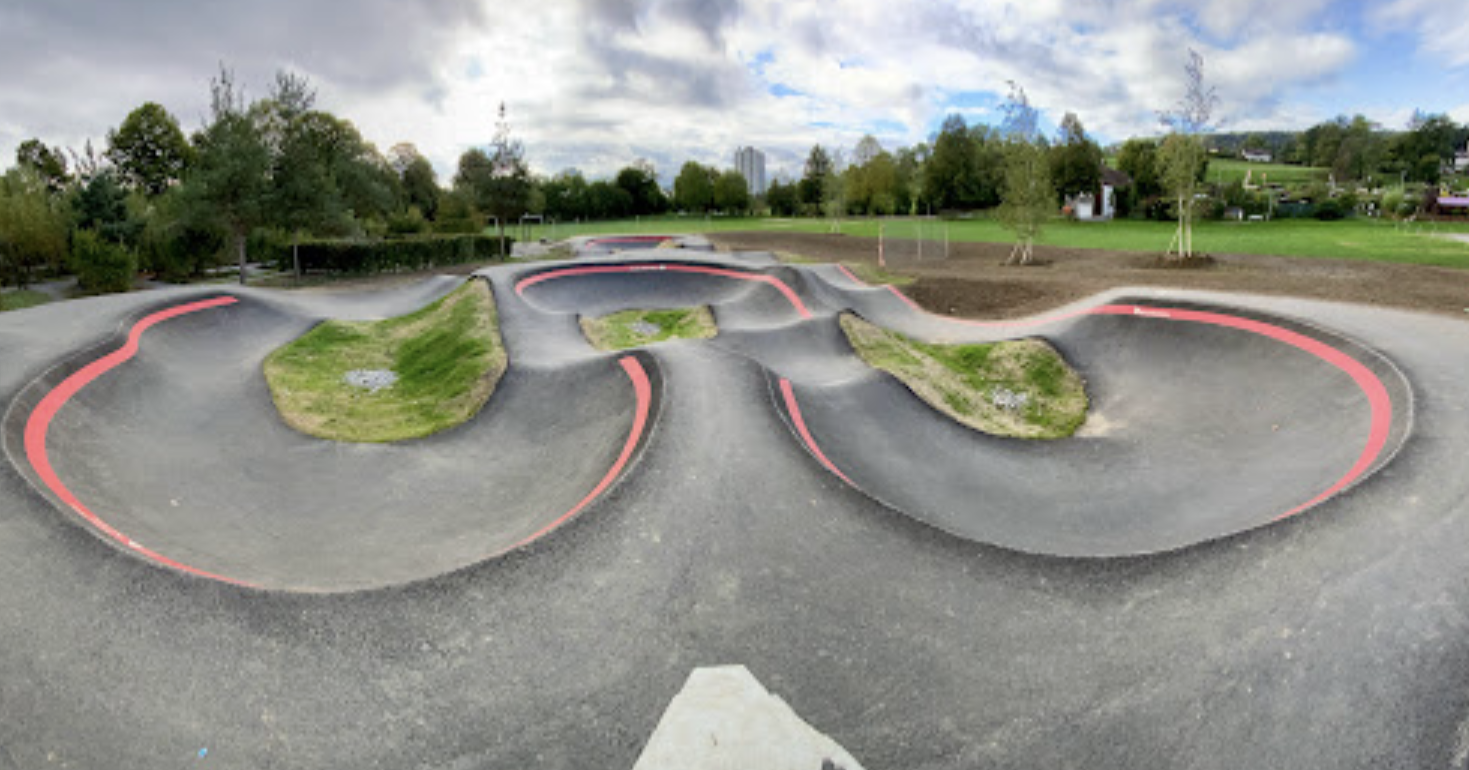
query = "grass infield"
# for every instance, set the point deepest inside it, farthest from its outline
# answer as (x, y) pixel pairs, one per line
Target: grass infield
(1019, 388)
(447, 358)
(636, 328)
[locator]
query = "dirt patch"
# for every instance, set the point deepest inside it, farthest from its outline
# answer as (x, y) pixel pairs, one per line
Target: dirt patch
(974, 282)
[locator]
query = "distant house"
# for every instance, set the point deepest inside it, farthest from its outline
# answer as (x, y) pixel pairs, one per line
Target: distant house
(1461, 159)
(1258, 156)
(1101, 205)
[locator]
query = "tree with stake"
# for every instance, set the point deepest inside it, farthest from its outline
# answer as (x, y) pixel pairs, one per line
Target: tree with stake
(1182, 160)
(1029, 197)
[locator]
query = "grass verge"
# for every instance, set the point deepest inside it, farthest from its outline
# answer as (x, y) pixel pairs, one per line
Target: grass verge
(635, 328)
(1020, 388)
(868, 272)
(22, 299)
(447, 357)
(1356, 238)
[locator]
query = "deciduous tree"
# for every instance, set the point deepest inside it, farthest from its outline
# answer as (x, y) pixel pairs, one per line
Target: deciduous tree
(693, 188)
(149, 150)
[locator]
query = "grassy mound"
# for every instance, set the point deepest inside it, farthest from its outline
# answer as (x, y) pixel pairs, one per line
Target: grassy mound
(635, 328)
(447, 358)
(21, 299)
(1022, 388)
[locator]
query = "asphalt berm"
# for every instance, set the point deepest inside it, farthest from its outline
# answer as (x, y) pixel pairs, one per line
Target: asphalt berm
(1253, 556)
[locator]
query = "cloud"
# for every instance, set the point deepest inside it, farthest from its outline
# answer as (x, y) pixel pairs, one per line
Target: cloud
(595, 84)
(76, 68)
(1442, 27)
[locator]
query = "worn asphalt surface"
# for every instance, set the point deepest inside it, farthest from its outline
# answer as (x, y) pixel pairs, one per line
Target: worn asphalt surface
(968, 620)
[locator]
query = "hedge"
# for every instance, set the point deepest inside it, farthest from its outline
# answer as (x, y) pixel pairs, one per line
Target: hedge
(386, 256)
(101, 265)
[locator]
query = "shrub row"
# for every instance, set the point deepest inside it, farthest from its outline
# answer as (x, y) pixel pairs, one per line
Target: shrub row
(394, 255)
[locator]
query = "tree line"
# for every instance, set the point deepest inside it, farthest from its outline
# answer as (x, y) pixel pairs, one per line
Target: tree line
(257, 177)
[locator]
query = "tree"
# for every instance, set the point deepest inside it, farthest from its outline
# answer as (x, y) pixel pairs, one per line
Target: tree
(1138, 159)
(817, 177)
(302, 196)
(1021, 118)
(49, 163)
(640, 182)
(605, 200)
(950, 178)
(1193, 114)
(566, 195)
(1182, 159)
(1076, 160)
(1028, 197)
(732, 193)
(872, 187)
(149, 150)
(33, 226)
(506, 195)
(101, 205)
(693, 188)
(230, 183)
(417, 179)
(782, 199)
(867, 149)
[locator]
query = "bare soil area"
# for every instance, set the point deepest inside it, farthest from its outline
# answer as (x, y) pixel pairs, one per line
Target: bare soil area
(974, 282)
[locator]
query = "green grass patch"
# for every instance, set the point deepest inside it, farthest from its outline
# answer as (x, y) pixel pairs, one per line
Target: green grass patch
(1226, 170)
(22, 299)
(1357, 238)
(447, 357)
(1019, 388)
(636, 328)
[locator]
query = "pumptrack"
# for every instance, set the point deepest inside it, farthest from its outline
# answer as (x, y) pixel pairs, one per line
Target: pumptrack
(1211, 421)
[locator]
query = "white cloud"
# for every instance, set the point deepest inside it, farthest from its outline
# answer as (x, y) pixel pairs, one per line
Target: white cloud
(1443, 28)
(597, 83)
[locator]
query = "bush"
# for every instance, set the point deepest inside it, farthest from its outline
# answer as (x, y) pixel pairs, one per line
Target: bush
(410, 222)
(419, 253)
(101, 266)
(1329, 210)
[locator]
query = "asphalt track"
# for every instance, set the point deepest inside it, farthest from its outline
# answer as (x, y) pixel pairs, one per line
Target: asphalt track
(1252, 558)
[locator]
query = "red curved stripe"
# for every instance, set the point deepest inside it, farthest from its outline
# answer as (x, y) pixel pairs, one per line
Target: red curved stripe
(853, 276)
(778, 284)
(1378, 400)
(800, 423)
(644, 390)
(39, 423)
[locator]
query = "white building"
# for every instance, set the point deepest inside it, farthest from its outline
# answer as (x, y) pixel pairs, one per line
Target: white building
(750, 162)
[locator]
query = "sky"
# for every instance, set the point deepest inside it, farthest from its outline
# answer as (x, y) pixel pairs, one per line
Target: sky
(596, 84)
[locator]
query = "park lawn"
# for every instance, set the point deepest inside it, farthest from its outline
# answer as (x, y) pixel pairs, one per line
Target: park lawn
(447, 356)
(22, 299)
(1226, 170)
(1357, 238)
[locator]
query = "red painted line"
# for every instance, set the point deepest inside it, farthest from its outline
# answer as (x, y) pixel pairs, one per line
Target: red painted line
(644, 391)
(39, 423)
(791, 406)
(1378, 400)
(853, 277)
(778, 284)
